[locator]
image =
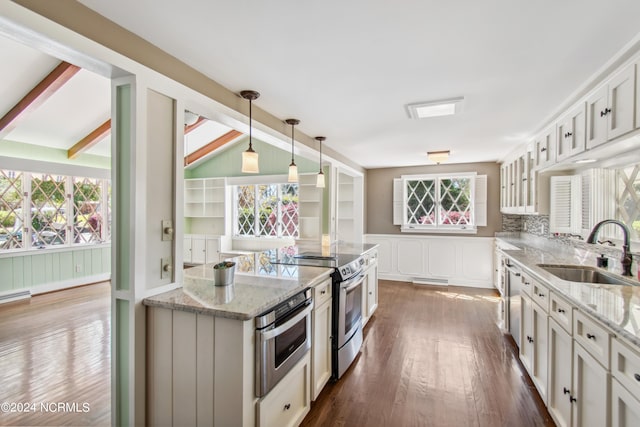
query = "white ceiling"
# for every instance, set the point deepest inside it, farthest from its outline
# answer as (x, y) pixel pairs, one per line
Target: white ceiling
(347, 68)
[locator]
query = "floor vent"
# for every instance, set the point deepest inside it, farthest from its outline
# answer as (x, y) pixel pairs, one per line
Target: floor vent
(15, 296)
(430, 281)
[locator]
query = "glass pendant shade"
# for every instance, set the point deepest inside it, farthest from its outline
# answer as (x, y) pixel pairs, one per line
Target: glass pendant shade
(293, 173)
(320, 180)
(250, 161)
(250, 157)
(293, 169)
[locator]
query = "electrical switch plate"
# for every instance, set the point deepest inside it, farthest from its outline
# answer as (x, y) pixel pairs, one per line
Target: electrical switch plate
(167, 230)
(166, 268)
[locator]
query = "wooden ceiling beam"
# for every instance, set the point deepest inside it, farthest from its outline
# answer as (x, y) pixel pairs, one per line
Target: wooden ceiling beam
(213, 145)
(90, 140)
(37, 96)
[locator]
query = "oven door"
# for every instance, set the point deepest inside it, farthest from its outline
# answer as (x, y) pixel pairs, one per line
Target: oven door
(350, 308)
(280, 346)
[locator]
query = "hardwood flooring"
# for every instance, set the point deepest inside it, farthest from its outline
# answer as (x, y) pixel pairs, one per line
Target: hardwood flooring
(432, 356)
(55, 348)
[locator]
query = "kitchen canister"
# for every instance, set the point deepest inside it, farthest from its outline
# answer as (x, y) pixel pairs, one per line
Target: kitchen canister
(223, 273)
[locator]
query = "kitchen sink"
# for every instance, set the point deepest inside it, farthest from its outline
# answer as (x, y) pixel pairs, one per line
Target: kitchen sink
(584, 274)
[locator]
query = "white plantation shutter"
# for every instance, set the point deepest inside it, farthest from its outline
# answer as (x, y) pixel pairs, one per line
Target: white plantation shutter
(397, 201)
(566, 204)
(480, 201)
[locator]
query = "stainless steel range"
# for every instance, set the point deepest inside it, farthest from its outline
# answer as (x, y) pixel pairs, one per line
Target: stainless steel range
(346, 325)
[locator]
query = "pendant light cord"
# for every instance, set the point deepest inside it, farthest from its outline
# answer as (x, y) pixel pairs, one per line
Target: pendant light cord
(320, 156)
(250, 147)
(292, 131)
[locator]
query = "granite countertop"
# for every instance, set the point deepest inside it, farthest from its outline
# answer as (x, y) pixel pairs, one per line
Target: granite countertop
(616, 306)
(251, 294)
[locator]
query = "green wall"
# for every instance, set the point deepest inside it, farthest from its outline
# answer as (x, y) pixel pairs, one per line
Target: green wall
(53, 155)
(272, 161)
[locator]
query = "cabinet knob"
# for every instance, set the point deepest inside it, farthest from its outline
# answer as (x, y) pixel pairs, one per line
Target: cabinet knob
(541, 295)
(527, 283)
(287, 406)
(591, 336)
(565, 390)
(543, 149)
(572, 399)
(560, 310)
(605, 112)
(636, 376)
(518, 274)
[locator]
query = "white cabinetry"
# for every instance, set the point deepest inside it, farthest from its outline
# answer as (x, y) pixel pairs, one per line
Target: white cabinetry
(590, 393)
(611, 108)
(288, 402)
(625, 385)
(625, 407)
(205, 205)
(321, 344)
(545, 147)
(370, 286)
(522, 189)
(310, 212)
(571, 138)
(566, 204)
(348, 208)
(560, 374)
(201, 249)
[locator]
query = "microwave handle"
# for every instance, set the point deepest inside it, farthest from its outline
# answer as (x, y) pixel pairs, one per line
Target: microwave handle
(272, 333)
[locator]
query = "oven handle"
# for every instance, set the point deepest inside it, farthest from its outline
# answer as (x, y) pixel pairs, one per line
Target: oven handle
(348, 287)
(272, 333)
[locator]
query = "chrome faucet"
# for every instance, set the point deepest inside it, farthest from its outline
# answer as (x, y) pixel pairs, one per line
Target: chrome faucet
(626, 255)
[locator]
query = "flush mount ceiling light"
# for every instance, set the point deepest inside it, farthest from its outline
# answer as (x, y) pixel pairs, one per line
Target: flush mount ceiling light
(320, 179)
(293, 169)
(250, 157)
(438, 156)
(444, 107)
(190, 118)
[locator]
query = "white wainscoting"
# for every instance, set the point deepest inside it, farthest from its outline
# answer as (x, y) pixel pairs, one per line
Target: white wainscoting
(438, 260)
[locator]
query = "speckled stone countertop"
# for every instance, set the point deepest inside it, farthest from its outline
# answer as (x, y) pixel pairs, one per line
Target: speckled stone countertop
(616, 306)
(251, 294)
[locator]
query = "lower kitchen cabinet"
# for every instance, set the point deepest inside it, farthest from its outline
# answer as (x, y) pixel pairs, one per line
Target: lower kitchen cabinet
(288, 402)
(321, 344)
(370, 289)
(201, 249)
(591, 390)
(625, 407)
(560, 374)
(534, 343)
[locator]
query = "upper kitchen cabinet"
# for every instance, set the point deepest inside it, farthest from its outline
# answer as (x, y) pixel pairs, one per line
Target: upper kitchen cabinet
(611, 108)
(571, 132)
(523, 189)
(545, 147)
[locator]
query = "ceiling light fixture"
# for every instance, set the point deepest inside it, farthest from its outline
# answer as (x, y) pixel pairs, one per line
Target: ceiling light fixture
(320, 179)
(190, 118)
(250, 157)
(293, 169)
(444, 107)
(438, 156)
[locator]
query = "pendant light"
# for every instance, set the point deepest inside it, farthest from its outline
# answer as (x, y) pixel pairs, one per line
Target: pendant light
(320, 179)
(250, 157)
(293, 169)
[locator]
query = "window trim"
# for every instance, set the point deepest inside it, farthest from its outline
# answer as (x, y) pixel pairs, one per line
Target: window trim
(439, 228)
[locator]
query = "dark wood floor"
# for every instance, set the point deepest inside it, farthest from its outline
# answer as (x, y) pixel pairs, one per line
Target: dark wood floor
(432, 357)
(55, 348)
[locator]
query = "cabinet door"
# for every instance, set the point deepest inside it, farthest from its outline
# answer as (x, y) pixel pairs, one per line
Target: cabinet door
(621, 116)
(540, 322)
(526, 333)
(625, 408)
(571, 137)
(372, 289)
(560, 372)
(186, 249)
(597, 105)
(590, 390)
(545, 145)
(321, 354)
(198, 250)
(212, 250)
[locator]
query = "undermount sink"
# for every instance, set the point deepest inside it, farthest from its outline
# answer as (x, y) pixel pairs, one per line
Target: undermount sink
(585, 274)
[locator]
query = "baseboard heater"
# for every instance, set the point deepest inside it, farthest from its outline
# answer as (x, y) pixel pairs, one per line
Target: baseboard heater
(14, 296)
(430, 281)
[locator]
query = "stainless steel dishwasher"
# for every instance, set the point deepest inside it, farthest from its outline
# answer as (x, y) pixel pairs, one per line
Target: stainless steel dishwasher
(514, 285)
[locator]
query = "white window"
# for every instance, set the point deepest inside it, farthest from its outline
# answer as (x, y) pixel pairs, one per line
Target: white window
(39, 210)
(266, 210)
(438, 203)
(628, 199)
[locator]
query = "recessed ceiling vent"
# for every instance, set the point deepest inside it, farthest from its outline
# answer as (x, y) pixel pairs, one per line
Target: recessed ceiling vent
(443, 107)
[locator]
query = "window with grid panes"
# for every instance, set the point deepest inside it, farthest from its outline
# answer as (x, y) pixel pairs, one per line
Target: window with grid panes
(266, 210)
(442, 202)
(628, 199)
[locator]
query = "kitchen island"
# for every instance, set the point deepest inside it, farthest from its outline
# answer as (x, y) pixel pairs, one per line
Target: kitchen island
(201, 346)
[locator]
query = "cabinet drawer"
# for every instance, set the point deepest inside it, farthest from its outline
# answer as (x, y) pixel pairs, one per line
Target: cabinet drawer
(593, 337)
(540, 294)
(625, 366)
(288, 402)
(322, 293)
(561, 311)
